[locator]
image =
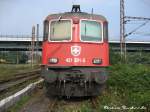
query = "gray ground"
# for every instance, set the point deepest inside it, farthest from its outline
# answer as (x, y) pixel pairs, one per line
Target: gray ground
(38, 103)
(42, 103)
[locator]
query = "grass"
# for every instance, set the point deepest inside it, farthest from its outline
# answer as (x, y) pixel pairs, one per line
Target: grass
(9, 70)
(128, 86)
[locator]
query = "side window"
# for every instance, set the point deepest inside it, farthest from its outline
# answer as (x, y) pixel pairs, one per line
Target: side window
(46, 30)
(105, 31)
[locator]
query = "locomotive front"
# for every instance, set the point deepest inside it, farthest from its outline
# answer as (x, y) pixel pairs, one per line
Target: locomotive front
(75, 53)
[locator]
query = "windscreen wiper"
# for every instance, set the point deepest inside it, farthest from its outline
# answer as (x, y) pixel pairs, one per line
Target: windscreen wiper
(85, 29)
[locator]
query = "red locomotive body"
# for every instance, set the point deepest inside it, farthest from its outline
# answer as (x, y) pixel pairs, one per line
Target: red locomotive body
(75, 53)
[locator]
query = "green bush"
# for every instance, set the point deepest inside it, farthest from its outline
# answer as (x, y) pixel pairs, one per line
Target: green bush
(14, 57)
(114, 57)
(138, 57)
(131, 81)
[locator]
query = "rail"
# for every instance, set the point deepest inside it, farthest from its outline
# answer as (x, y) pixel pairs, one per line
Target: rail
(94, 102)
(52, 105)
(17, 80)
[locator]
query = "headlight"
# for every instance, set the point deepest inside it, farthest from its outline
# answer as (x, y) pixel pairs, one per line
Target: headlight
(97, 61)
(53, 60)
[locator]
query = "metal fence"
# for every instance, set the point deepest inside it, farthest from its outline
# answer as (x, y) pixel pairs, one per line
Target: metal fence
(18, 38)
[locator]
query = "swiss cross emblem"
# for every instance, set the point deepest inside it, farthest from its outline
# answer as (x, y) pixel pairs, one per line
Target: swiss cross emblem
(75, 50)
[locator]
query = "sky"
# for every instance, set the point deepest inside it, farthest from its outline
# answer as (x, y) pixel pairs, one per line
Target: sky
(18, 16)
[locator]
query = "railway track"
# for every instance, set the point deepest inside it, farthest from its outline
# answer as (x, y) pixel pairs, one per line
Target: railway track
(52, 105)
(18, 80)
(19, 76)
(61, 104)
(94, 103)
(40, 102)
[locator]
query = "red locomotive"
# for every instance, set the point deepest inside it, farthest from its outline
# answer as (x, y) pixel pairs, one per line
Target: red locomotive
(75, 53)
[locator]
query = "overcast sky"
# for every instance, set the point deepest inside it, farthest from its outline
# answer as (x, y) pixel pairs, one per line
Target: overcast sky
(18, 16)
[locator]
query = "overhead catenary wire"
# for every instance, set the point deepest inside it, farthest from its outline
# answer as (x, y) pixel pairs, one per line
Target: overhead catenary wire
(123, 21)
(134, 30)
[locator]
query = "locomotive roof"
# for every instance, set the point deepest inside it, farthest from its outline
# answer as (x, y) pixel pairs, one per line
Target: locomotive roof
(81, 15)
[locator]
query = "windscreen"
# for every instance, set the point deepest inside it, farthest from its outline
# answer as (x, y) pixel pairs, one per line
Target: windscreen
(60, 30)
(91, 31)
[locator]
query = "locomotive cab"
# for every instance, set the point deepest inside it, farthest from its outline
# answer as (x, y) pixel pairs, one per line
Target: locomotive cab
(75, 53)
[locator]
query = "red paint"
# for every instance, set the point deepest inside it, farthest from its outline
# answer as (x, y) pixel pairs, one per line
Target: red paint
(62, 51)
